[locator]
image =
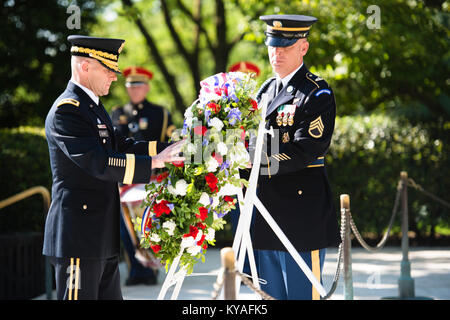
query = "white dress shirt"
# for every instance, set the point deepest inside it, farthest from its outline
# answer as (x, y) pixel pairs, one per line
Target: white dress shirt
(287, 78)
(89, 92)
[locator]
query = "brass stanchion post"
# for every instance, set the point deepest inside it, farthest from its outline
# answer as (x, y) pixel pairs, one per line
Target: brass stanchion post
(229, 282)
(347, 249)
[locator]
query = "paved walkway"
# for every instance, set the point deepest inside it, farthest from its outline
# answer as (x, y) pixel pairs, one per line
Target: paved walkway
(375, 276)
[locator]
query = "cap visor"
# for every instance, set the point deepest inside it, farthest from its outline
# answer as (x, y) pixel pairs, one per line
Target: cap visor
(279, 42)
(134, 84)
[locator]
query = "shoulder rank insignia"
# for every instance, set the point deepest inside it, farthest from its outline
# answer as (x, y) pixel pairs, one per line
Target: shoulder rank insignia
(316, 128)
(68, 101)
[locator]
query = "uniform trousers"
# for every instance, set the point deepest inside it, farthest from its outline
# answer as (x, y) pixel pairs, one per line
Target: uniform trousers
(87, 279)
(285, 279)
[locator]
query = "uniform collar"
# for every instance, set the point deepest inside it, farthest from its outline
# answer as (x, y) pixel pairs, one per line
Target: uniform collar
(287, 78)
(89, 92)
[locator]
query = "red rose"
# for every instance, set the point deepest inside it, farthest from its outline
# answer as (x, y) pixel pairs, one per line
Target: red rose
(200, 242)
(178, 164)
(214, 107)
(162, 176)
(193, 231)
(160, 208)
(203, 213)
(229, 199)
(156, 248)
(211, 180)
(254, 105)
(201, 225)
(200, 130)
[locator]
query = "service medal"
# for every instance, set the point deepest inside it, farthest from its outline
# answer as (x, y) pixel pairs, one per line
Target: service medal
(285, 119)
(280, 115)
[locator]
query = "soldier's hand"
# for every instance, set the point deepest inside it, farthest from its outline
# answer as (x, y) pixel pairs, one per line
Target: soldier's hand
(169, 154)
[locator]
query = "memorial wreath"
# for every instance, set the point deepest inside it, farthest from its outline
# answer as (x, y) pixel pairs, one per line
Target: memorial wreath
(186, 205)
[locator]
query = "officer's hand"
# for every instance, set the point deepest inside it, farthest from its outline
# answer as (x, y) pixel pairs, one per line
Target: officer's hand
(169, 154)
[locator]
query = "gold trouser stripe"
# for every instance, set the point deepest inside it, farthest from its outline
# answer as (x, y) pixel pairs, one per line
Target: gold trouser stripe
(70, 279)
(164, 128)
(152, 148)
(315, 264)
(129, 169)
(77, 278)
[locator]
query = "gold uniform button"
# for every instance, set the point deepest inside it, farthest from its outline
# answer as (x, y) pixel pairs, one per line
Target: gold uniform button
(300, 192)
(104, 141)
(84, 206)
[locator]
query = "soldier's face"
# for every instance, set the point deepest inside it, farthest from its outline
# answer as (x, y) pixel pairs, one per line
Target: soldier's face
(100, 78)
(284, 60)
(138, 93)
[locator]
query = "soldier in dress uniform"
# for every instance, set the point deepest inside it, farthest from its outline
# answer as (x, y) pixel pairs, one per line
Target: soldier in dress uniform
(88, 157)
(141, 120)
(296, 191)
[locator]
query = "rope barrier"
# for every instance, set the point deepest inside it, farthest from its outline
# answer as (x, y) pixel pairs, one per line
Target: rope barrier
(346, 222)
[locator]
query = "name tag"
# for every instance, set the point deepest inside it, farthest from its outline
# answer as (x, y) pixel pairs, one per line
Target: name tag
(103, 133)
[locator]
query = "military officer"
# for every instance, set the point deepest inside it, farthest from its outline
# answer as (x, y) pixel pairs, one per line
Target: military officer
(296, 190)
(88, 157)
(139, 119)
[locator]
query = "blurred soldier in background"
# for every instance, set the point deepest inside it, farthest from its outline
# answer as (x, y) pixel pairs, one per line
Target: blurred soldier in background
(142, 120)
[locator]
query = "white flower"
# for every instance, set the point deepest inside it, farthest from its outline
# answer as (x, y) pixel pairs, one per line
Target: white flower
(180, 188)
(212, 165)
(204, 199)
(188, 113)
(155, 238)
(228, 190)
(210, 235)
(194, 250)
(222, 148)
(238, 154)
(187, 242)
(216, 123)
(190, 148)
(216, 201)
(199, 235)
(170, 226)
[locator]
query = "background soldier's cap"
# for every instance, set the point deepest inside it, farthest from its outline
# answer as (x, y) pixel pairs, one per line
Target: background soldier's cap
(135, 76)
(104, 50)
(245, 66)
(284, 30)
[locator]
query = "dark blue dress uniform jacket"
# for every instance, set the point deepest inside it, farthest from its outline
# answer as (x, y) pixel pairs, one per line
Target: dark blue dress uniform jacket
(88, 158)
(296, 192)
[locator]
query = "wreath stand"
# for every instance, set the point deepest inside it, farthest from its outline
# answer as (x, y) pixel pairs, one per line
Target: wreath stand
(242, 243)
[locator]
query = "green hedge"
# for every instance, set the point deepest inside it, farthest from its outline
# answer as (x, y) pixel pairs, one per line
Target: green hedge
(366, 158)
(24, 162)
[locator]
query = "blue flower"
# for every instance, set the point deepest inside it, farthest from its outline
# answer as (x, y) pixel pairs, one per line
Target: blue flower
(235, 114)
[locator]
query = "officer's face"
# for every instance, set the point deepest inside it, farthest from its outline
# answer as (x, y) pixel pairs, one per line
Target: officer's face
(100, 78)
(284, 60)
(138, 93)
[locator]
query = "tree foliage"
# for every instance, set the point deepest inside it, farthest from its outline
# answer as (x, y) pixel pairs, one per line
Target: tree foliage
(35, 56)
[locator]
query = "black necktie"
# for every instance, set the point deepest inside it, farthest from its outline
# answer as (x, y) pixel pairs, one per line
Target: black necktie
(279, 86)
